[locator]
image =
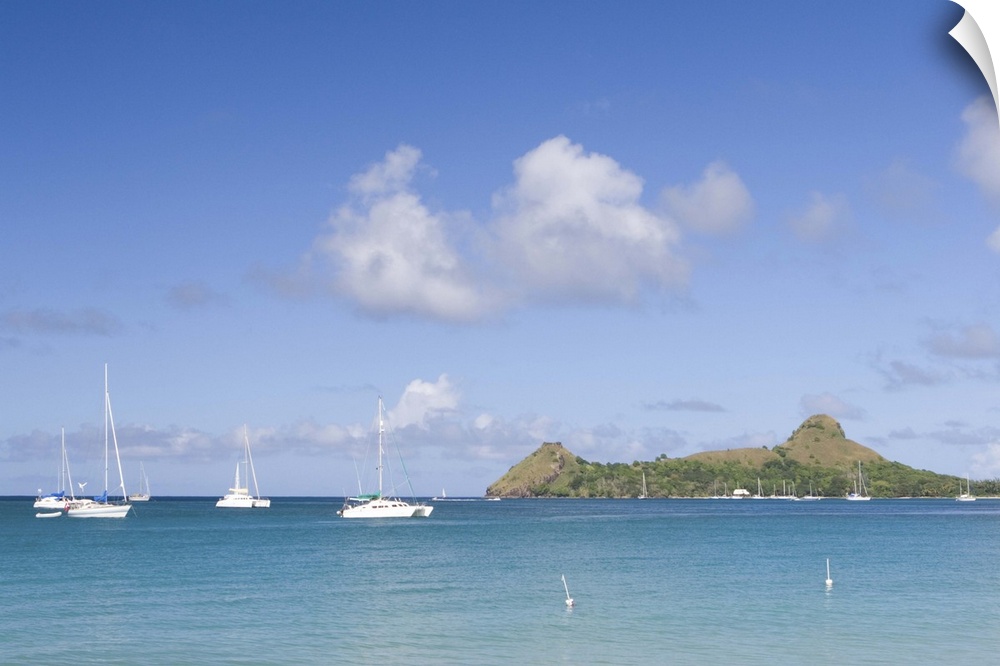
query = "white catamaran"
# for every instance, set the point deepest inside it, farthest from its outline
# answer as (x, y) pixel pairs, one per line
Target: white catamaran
(376, 505)
(239, 496)
(101, 506)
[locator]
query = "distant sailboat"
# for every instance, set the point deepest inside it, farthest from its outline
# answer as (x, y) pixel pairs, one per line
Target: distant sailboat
(56, 501)
(569, 600)
(643, 495)
(860, 493)
(967, 496)
(101, 506)
(829, 581)
(810, 496)
(143, 494)
(239, 496)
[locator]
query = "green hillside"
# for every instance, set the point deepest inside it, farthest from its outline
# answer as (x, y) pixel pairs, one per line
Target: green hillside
(816, 456)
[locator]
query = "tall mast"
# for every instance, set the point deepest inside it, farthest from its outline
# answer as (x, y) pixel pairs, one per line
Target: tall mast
(118, 460)
(107, 398)
(65, 457)
(253, 472)
(381, 429)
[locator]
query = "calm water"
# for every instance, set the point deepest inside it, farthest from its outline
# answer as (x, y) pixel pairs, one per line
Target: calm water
(655, 581)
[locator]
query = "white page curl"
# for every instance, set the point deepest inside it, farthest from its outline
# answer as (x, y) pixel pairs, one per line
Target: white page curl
(979, 33)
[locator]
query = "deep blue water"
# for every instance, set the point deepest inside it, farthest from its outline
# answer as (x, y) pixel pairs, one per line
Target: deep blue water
(655, 581)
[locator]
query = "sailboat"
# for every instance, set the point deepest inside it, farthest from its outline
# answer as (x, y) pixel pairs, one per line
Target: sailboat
(239, 496)
(143, 494)
(643, 495)
(810, 496)
(101, 507)
(56, 501)
(376, 505)
(860, 493)
(967, 496)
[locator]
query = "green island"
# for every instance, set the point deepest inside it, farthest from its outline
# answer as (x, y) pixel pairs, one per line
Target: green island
(817, 458)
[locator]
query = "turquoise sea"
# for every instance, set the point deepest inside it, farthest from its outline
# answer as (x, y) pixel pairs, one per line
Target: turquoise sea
(655, 581)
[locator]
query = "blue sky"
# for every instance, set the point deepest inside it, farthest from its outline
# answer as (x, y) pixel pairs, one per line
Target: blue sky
(637, 228)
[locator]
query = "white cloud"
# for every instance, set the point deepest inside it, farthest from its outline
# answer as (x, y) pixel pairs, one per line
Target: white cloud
(978, 154)
(827, 403)
(391, 254)
(993, 240)
(718, 204)
(823, 218)
(391, 175)
(571, 227)
(986, 463)
(424, 401)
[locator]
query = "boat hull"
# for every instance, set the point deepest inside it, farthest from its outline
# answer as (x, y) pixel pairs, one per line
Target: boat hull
(243, 502)
(385, 508)
(98, 510)
(51, 503)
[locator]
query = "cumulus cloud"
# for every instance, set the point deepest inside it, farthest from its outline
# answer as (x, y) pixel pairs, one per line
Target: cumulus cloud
(718, 204)
(87, 321)
(827, 403)
(972, 342)
(571, 227)
(424, 401)
(978, 154)
(993, 240)
(823, 218)
(986, 463)
(391, 254)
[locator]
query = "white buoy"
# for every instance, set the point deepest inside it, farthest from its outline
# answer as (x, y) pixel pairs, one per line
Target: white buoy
(829, 581)
(569, 599)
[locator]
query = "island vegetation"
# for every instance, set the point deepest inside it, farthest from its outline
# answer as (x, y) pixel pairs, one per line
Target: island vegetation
(817, 458)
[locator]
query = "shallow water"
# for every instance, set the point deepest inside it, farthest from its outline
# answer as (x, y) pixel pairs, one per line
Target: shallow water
(655, 581)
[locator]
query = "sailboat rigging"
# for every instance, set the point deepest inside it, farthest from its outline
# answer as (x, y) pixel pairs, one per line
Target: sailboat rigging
(377, 505)
(967, 496)
(101, 506)
(860, 493)
(143, 494)
(239, 496)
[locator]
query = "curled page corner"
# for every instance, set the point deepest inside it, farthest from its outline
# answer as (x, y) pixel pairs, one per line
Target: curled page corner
(979, 33)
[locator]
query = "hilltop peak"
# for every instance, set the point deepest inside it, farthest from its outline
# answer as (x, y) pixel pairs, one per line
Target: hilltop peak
(821, 422)
(821, 440)
(540, 468)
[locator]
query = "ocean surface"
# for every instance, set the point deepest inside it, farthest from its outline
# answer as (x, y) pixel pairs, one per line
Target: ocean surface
(655, 582)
